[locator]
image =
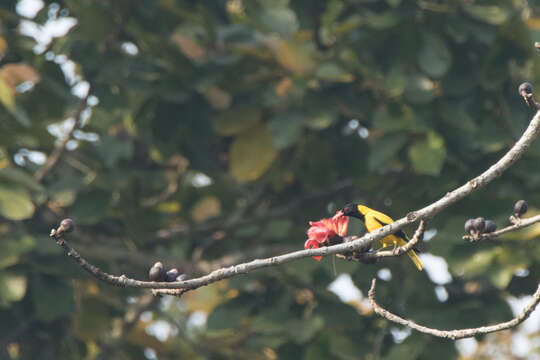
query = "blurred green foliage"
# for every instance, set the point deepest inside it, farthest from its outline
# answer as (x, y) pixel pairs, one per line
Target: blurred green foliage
(216, 130)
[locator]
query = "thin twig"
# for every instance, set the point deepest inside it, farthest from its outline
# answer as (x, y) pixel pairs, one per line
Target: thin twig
(400, 250)
(427, 212)
(55, 156)
(520, 224)
(172, 292)
(458, 333)
(123, 280)
(93, 270)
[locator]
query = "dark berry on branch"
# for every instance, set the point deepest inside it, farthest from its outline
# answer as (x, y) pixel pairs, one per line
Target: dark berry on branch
(490, 226)
(525, 88)
(157, 272)
(520, 207)
(479, 224)
(469, 226)
(171, 275)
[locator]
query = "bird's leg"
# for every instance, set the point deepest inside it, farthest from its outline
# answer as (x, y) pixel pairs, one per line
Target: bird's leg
(394, 249)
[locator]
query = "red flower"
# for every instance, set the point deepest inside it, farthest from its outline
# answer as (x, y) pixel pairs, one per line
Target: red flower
(320, 232)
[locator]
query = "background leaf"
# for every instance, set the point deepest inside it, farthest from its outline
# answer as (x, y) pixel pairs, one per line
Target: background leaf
(252, 153)
(428, 155)
(15, 203)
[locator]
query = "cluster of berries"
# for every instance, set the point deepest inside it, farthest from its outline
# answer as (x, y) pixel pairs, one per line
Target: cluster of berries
(157, 273)
(479, 226)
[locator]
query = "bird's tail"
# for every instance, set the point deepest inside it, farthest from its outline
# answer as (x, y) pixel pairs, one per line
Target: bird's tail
(415, 259)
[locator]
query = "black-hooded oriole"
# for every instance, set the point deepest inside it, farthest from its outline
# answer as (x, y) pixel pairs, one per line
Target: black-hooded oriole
(374, 220)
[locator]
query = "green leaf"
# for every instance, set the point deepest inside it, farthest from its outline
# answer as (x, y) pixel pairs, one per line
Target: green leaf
(343, 346)
(410, 349)
(91, 206)
(395, 81)
(266, 341)
(458, 83)
(293, 56)
(301, 331)
(501, 276)
(320, 120)
(21, 116)
(92, 319)
(428, 155)
(478, 263)
(331, 71)
(285, 129)
(419, 89)
(252, 153)
(52, 298)
(114, 149)
(402, 119)
(434, 58)
(12, 248)
(385, 149)
(383, 20)
(7, 98)
(12, 287)
(20, 177)
(270, 322)
(317, 350)
(280, 20)
(236, 120)
(15, 203)
(490, 14)
(226, 315)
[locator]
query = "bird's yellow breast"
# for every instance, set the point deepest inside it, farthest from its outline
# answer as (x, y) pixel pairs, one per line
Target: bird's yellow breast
(371, 223)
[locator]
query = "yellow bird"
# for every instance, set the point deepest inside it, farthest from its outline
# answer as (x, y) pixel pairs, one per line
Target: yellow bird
(374, 220)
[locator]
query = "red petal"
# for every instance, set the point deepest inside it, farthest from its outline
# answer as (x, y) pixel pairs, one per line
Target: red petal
(343, 224)
(319, 233)
(313, 244)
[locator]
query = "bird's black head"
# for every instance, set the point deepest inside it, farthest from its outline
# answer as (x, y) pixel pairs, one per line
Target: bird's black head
(352, 210)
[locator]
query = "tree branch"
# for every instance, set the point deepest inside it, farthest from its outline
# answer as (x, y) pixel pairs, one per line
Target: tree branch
(458, 333)
(518, 225)
(427, 212)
